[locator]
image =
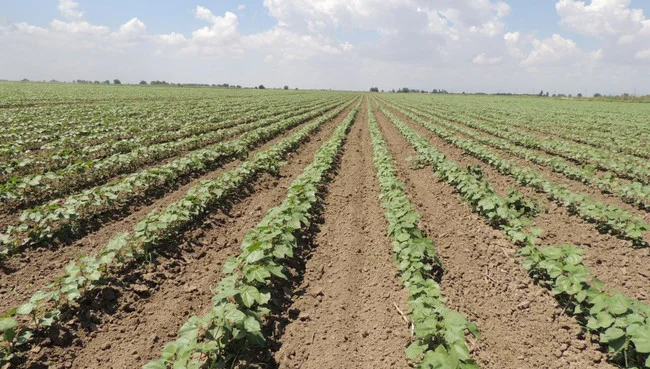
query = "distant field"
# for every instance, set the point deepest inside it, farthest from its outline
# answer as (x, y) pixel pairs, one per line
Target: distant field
(208, 227)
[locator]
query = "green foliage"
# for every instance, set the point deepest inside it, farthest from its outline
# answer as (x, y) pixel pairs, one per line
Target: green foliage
(440, 332)
(86, 273)
(240, 301)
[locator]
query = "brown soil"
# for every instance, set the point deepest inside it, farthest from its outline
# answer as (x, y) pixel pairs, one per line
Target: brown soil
(148, 307)
(521, 324)
(33, 268)
(346, 317)
(612, 260)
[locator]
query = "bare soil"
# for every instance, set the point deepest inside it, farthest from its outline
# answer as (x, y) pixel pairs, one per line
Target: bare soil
(612, 260)
(346, 317)
(145, 308)
(521, 324)
(33, 268)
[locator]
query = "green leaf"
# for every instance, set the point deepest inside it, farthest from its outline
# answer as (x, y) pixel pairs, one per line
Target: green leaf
(251, 324)
(641, 339)
(255, 256)
(415, 349)
(25, 309)
(249, 295)
(160, 364)
(7, 324)
(613, 333)
(618, 304)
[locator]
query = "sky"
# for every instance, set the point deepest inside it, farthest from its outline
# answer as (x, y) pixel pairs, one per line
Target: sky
(520, 46)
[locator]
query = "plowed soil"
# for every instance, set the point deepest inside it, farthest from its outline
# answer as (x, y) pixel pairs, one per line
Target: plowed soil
(143, 310)
(346, 306)
(33, 268)
(521, 324)
(612, 260)
(347, 317)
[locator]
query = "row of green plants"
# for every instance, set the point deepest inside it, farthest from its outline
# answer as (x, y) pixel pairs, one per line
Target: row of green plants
(624, 166)
(87, 273)
(34, 188)
(36, 129)
(607, 218)
(66, 218)
(621, 323)
(234, 322)
(439, 332)
(618, 128)
(622, 138)
(634, 193)
(51, 160)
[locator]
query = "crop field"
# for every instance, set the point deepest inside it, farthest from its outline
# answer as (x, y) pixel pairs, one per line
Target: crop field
(178, 227)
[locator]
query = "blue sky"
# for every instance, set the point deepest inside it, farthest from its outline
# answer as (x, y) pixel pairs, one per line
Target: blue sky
(500, 44)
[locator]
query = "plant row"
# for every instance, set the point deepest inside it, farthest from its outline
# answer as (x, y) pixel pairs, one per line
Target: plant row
(440, 332)
(624, 166)
(89, 272)
(35, 188)
(55, 159)
(634, 193)
(68, 217)
(620, 322)
(607, 218)
(241, 300)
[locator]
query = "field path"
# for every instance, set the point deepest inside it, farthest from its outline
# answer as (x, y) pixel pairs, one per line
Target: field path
(346, 316)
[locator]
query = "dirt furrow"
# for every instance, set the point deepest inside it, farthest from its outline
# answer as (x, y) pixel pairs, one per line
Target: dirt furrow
(521, 324)
(23, 274)
(612, 260)
(143, 310)
(346, 317)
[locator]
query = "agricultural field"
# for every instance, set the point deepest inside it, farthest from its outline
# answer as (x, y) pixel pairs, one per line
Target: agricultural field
(178, 227)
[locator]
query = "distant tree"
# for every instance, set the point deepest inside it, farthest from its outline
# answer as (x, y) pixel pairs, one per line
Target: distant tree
(597, 95)
(143, 82)
(296, 88)
(238, 86)
(24, 80)
(286, 87)
(435, 91)
(554, 95)
(382, 90)
(117, 82)
(541, 93)
(374, 89)
(261, 87)
(96, 82)
(579, 95)
(546, 94)
(107, 82)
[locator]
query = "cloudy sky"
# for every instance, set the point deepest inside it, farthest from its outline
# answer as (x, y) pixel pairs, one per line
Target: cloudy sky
(561, 46)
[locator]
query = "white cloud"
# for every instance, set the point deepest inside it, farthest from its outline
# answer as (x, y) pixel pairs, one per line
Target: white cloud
(643, 54)
(132, 29)
(416, 43)
(69, 9)
(80, 27)
(552, 50)
(483, 59)
(600, 17)
(624, 31)
(171, 39)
